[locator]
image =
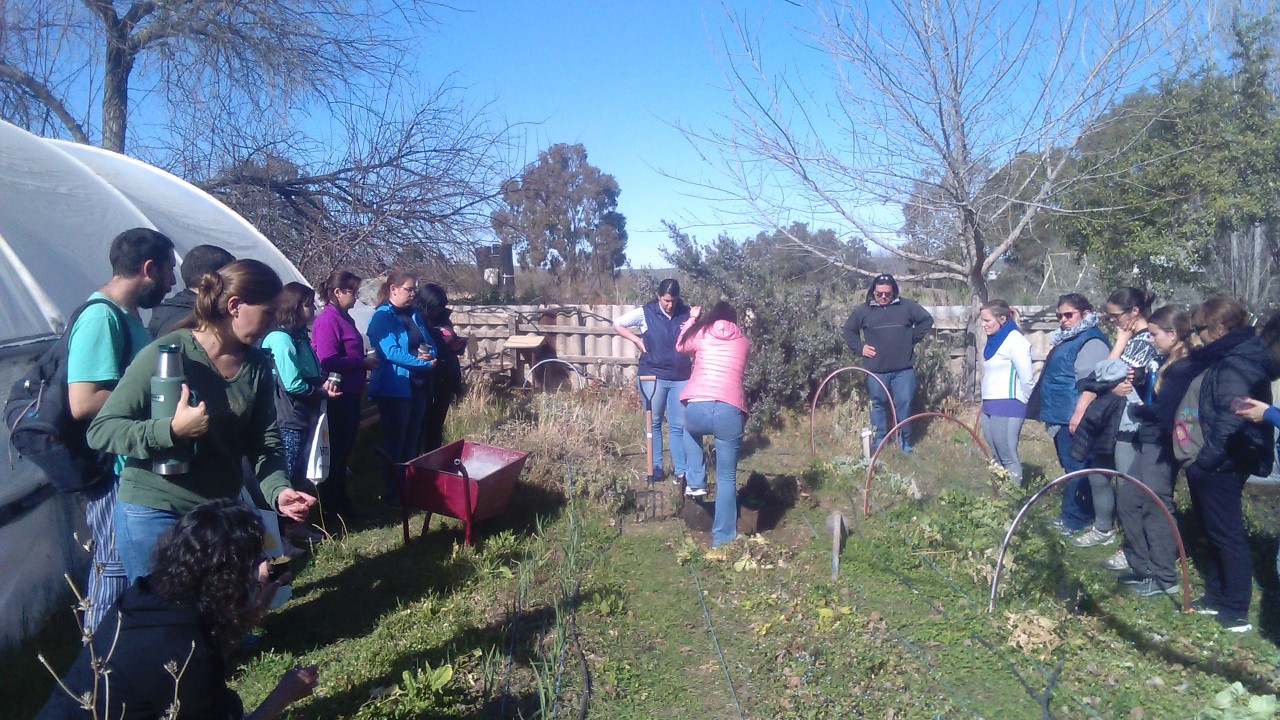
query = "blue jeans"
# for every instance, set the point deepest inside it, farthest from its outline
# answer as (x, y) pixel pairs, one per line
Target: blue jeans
(138, 529)
(401, 420)
(726, 423)
(902, 385)
(665, 396)
(1077, 497)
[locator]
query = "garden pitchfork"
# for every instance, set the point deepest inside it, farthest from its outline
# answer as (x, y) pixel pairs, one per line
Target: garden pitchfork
(651, 498)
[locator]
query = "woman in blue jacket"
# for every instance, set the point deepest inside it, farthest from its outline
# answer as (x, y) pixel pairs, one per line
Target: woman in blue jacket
(401, 384)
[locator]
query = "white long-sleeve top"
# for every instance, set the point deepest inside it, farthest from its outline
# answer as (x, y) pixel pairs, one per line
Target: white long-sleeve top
(1008, 374)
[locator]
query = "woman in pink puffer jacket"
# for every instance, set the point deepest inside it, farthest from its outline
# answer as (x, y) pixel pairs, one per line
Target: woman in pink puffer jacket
(715, 405)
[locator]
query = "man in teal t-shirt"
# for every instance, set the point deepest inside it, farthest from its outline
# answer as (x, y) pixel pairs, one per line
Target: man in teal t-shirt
(142, 263)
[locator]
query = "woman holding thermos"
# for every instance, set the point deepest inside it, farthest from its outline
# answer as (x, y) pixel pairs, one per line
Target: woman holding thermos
(401, 384)
(340, 349)
(225, 411)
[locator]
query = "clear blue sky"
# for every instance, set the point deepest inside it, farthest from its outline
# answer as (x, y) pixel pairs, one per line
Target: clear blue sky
(614, 76)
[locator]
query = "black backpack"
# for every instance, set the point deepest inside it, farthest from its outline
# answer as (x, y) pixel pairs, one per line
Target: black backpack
(41, 428)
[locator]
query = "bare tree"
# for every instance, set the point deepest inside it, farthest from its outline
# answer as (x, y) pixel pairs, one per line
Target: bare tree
(383, 170)
(931, 105)
(224, 61)
(411, 185)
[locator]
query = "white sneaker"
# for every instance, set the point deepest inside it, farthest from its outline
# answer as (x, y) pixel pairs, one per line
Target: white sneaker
(1117, 561)
(1094, 537)
(695, 492)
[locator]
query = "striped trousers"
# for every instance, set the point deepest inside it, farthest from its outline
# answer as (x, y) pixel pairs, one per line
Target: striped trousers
(107, 580)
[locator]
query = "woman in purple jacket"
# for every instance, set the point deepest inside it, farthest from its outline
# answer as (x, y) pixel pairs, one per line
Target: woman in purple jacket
(340, 348)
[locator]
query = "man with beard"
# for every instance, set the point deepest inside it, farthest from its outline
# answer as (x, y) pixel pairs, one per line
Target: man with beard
(142, 263)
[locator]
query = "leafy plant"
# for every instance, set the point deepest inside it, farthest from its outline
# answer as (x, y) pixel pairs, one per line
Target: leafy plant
(1235, 703)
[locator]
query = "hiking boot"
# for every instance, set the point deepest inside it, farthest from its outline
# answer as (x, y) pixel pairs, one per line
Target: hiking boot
(1234, 623)
(1151, 587)
(1117, 561)
(1094, 537)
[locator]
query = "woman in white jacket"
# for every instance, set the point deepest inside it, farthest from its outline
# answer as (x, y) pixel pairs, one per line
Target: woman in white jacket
(1006, 384)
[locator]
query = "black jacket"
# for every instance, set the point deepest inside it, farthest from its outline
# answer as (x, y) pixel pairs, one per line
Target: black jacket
(1232, 444)
(893, 330)
(447, 377)
(166, 316)
(1096, 434)
(1157, 417)
(152, 633)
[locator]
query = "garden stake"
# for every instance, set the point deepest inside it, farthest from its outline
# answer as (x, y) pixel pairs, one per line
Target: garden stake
(835, 523)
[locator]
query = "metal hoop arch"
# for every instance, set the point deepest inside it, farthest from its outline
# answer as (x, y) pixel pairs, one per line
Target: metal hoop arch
(528, 381)
(1173, 525)
(813, 405)
(866, 491)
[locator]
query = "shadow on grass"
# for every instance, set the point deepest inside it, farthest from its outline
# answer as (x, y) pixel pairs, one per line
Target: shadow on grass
(519, 636)
(350, 603)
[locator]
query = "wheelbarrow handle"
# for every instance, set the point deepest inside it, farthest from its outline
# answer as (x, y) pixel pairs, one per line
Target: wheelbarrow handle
(387, 457)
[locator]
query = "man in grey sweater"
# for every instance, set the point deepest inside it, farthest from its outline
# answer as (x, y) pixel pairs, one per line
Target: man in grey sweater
(884, 331)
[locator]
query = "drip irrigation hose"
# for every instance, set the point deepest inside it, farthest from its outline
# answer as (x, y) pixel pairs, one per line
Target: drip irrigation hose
(924, 659)
(706, 615)
(1051, 677)
(572, 600)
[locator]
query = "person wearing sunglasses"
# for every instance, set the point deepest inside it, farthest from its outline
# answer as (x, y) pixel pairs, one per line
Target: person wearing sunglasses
(884, 331)
(1076, 348)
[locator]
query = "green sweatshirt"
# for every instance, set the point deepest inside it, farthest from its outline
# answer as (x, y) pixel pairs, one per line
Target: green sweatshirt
(242, 423)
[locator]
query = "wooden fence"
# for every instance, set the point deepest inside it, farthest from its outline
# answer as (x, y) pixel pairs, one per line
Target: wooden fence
(514, 337)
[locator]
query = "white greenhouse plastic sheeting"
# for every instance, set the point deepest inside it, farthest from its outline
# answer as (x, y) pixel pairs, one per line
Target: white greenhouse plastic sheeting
(60, 206)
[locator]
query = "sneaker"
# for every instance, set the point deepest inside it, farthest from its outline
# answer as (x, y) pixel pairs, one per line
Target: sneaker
(1201, 606)
(1117, 561)
(1094, 537)
(1129, 578)
(1151, 587)
(1061, 526)
(695, 492)
(907, 449)
(1234, 623)
(677, 479)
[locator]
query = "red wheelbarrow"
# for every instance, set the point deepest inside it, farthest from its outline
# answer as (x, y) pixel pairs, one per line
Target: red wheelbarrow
(465, 480)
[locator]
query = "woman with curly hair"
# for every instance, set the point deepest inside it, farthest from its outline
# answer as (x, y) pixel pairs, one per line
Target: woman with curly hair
(162, 646)
(225, 412)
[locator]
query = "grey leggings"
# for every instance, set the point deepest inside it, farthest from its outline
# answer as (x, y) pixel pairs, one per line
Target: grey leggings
(1104, 494)
(1002, 433)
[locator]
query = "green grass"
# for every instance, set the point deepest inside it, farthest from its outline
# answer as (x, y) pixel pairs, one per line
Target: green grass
(567, 587)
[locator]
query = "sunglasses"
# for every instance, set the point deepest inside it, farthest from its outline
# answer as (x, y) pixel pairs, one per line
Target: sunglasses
(883, 294)
(1067, 315)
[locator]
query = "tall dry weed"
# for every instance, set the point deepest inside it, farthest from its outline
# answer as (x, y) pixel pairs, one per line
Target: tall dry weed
(593, 433)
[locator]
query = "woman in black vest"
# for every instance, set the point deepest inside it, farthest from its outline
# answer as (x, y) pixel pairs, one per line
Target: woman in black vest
(653, 329)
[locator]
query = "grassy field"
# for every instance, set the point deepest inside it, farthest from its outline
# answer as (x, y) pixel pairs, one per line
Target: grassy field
(574, 598)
